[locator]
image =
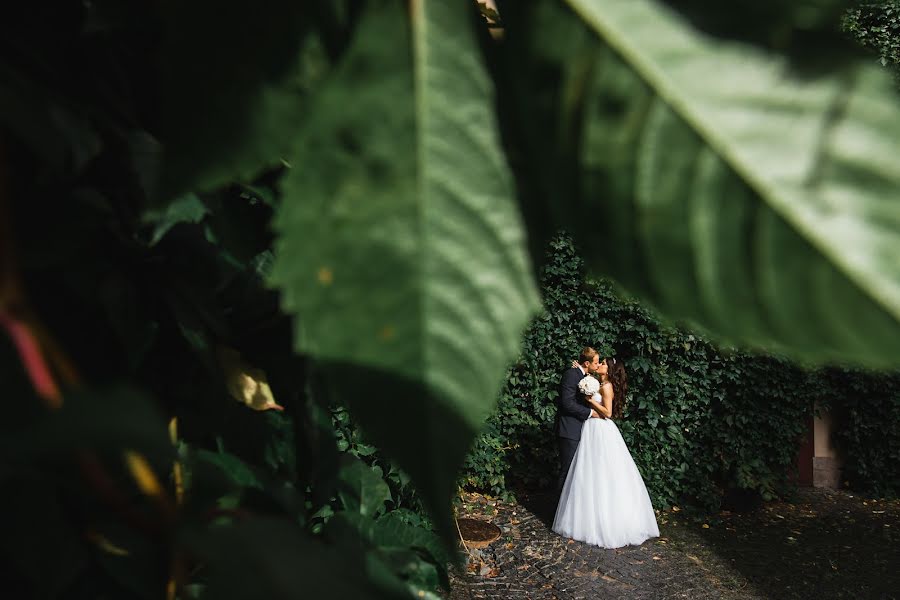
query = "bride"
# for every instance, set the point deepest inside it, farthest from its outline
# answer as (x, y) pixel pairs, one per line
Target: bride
(604, 501)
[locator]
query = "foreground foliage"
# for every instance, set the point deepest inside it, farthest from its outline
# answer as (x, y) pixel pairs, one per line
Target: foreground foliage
(210, 212)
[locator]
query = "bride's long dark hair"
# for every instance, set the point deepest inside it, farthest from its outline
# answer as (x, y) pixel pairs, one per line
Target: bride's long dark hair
(615, 373)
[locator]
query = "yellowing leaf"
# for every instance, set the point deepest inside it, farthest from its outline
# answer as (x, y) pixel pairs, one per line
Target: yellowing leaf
(246, 384)
(143, 474)
(103, 542)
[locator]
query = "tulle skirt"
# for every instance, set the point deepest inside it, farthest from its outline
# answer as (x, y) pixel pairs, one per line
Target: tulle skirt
(604, 501)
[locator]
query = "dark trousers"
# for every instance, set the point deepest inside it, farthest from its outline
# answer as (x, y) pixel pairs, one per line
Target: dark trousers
(567, 450)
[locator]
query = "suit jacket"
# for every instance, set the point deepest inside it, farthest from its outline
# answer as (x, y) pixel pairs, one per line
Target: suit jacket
(571, 412)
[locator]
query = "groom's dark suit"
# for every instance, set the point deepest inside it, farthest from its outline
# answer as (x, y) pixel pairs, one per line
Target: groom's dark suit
(570, 416)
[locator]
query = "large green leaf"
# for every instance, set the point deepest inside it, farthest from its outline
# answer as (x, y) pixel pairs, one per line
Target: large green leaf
(732, 192)
(400, 248)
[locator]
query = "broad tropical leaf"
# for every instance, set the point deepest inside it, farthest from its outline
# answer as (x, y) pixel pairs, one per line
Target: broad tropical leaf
(732, 192)
(401, 249)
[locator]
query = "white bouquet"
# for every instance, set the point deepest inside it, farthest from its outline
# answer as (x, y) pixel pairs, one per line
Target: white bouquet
(589, 386)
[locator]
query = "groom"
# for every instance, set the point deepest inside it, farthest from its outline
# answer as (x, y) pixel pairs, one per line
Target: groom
(571, 413)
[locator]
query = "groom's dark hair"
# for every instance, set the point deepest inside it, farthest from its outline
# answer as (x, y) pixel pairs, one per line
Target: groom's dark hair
(587, 355)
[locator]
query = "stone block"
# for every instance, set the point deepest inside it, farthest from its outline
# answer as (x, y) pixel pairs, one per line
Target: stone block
(826, 472)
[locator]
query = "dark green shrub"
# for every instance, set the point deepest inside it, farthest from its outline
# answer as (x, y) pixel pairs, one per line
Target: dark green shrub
(876, 26)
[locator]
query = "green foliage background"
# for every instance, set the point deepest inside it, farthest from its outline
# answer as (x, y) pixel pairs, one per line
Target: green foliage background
(351, 197)
(876, 26)
(702, 424)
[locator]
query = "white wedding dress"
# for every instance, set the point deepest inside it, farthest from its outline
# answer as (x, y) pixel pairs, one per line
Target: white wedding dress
(604, 501)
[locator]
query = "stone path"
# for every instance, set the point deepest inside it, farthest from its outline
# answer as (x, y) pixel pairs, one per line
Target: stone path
(531, 562)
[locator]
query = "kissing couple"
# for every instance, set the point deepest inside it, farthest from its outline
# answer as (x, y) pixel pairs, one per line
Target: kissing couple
(602, 498)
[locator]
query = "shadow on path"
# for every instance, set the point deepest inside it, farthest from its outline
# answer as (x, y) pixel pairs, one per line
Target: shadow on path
(530, 562)
(542, 504)
(822, 544)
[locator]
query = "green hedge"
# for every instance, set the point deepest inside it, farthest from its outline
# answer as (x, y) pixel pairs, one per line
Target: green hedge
(876, 27)
(700, 422)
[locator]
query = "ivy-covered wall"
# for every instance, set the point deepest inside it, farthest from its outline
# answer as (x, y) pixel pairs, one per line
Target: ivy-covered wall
(876, 26)
(701, 423)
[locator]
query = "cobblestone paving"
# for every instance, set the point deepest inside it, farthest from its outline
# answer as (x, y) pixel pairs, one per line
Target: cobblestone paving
(531, 562)
(816, 546)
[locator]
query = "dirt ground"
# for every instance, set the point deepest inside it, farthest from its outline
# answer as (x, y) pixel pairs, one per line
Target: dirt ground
(819, 544)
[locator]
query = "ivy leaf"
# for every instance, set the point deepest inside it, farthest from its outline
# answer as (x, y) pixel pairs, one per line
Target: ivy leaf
(389, 532)
(734, 194)
(401, 249)
(184, 209)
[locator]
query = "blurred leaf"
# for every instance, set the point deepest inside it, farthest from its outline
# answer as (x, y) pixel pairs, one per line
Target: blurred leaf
(109, 420)
(129, 558)
(248, 385)
(230, 106)
(362, 489)
(238, 472)
(806, 30)
(736, 195)
(63, 139)
(39, 540)
(272, 558)
(401, 250)
(184, 209)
